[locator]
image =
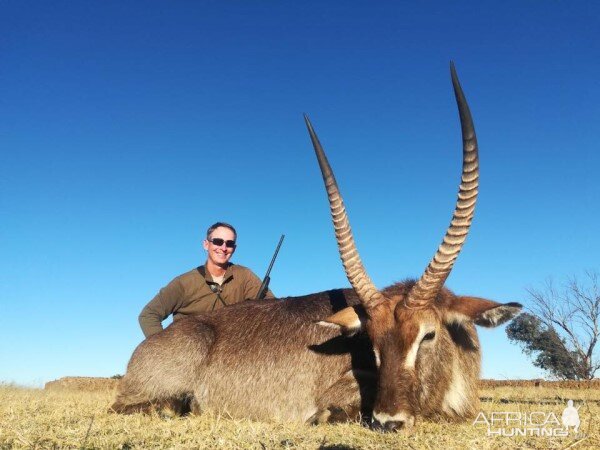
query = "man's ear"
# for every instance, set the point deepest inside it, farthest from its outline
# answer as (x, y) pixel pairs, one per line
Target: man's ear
(349, 320)
(485, 313)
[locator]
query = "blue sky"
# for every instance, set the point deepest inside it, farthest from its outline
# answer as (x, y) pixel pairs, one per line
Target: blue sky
(126, 128)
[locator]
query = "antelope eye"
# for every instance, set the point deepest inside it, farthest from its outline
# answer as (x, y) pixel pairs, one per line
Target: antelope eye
(429, 336)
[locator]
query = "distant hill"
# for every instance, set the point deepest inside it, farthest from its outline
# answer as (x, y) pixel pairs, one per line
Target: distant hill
(567, 384)
(83, 383)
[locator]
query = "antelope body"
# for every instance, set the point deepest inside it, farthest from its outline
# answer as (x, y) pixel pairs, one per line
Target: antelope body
(408, 350)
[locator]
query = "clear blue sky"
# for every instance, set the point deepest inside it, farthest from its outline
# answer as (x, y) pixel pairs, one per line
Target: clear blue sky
(126, 128)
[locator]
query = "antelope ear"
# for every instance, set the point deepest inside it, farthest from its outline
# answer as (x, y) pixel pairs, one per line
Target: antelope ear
(349, 320)
(485, 313)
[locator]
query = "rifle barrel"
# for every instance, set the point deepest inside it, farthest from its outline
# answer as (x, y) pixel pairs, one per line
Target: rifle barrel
(275, 255)
(265, 283)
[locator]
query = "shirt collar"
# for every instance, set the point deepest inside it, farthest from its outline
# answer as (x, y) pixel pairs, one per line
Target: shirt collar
(226, 277)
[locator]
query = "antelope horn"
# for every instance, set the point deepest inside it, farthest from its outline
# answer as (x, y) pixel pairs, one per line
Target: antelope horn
(430, 283)
(356, 273)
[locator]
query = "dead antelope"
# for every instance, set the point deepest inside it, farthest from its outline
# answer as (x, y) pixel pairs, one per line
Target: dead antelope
(410, 349)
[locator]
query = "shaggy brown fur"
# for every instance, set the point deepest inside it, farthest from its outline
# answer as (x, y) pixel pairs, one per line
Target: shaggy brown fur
(272, 360)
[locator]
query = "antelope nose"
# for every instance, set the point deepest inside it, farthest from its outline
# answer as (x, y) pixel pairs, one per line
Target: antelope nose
(387, 427)
(393, 425)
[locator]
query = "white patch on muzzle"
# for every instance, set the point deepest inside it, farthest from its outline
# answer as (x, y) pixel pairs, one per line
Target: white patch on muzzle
(404, 417)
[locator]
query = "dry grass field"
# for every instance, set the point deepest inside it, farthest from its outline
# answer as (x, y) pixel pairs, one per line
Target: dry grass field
(72, 418)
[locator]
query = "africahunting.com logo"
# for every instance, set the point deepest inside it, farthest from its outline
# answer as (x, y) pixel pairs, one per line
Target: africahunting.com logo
(535, 423)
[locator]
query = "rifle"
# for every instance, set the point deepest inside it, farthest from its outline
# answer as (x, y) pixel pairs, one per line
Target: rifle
(265, 283)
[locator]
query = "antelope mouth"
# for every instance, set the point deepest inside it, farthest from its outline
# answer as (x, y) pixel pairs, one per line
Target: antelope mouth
(391, 424)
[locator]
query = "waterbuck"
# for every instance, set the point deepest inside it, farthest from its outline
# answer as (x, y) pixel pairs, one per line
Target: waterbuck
(393, 354)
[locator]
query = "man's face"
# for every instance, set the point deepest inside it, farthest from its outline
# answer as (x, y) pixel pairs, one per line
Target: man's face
(219, 254)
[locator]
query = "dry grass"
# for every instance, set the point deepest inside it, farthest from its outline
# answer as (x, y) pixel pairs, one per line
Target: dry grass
(33, 418)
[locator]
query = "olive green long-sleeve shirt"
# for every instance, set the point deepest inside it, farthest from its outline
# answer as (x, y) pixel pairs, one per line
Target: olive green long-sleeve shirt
(192, 293)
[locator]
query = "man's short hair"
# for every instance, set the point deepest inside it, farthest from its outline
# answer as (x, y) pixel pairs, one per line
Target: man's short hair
(214, 226)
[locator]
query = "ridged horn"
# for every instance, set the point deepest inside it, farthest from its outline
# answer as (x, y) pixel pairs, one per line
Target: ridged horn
(430, 283)
(355, 271)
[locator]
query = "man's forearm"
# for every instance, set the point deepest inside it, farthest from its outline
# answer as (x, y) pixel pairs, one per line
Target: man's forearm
(150, 322)
(159, 308)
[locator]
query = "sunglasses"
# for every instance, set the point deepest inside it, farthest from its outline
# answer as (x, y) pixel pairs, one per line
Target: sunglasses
(218, 242)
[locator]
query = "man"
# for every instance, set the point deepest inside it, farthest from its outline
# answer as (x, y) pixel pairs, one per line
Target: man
(212, 286)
